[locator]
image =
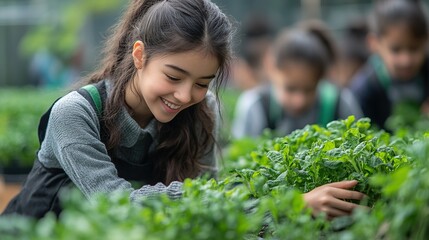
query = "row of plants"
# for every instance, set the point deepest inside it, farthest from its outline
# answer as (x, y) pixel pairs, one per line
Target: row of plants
(306, 159)
(20, 111)
(259, 194)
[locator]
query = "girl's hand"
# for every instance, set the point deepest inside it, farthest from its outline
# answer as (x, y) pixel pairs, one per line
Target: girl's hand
(329, 198)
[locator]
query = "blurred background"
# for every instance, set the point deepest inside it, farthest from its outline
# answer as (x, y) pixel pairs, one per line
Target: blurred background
(51, 43)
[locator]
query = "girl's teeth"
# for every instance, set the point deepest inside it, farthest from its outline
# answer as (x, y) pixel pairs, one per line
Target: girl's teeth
(172, 106)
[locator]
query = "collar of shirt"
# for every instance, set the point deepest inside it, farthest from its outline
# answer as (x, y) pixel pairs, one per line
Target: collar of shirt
(131, 132)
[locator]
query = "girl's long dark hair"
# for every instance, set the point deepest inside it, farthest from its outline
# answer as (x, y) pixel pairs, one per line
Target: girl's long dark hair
(167, 27)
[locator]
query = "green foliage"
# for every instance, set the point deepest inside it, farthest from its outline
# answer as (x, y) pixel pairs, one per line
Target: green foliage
(314, 156)
(20, 111)
(228, 99)
(403, 210)
(393, 172)
(204, 212)
(237, 155)
(407, 120)
(62, 39)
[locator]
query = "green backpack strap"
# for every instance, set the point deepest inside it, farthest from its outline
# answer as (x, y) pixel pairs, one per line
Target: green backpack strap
(328, 93)
(380, 71)
(96, 95)
(96, 98)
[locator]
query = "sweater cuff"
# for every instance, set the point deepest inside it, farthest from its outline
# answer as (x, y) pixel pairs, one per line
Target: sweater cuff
(173, 191)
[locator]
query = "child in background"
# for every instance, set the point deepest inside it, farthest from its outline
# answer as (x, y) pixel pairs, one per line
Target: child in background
(297, 96)
(398, 69)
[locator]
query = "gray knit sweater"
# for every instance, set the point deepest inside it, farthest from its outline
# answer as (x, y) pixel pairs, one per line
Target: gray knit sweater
(73, 143)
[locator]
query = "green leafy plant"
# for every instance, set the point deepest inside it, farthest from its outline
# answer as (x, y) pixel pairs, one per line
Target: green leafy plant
(314, 156)
(264, 197)
(407, 119)
(206, 211)
(402, 211)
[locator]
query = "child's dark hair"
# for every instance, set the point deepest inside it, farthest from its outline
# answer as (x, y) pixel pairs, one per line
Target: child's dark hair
(167, 27)
(309, 43)
(388, 13)
(257, 35)
(353, 42)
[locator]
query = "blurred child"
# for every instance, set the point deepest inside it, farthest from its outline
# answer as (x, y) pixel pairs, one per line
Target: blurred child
(352, 52)
(398, 69)
(297, 96)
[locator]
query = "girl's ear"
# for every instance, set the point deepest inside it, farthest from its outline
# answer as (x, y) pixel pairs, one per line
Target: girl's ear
(138, 54)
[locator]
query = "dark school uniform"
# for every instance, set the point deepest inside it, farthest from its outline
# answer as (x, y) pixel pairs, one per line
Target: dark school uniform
(377, 93)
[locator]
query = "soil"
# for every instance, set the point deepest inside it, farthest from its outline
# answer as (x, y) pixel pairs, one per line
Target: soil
(7, 192)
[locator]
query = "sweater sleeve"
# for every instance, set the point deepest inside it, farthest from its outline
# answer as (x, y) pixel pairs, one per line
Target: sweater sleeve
(73, 135)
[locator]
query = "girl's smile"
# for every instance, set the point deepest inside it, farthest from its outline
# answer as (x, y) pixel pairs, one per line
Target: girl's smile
(171, 107)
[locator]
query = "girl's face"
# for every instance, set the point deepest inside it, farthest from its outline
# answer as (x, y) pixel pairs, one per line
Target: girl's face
(295, 87)
(169, 84)
(402, 54)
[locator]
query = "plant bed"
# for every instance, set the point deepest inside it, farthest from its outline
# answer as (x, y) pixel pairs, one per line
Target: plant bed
(7, 192)
(314, 156)
(256, 198)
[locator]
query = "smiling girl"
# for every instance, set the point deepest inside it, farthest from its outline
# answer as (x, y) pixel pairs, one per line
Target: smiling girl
(147, 116)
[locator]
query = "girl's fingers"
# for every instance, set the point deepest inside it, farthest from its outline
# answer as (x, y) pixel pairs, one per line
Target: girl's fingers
(346, 194)
(329, 199)
(343, 184)
(343, 206)
(333, 213)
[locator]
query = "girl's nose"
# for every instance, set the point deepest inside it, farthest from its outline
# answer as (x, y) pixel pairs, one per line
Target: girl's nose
(183, 93)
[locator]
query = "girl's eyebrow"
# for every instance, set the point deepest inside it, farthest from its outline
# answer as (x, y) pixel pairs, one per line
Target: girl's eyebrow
(186, 72)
